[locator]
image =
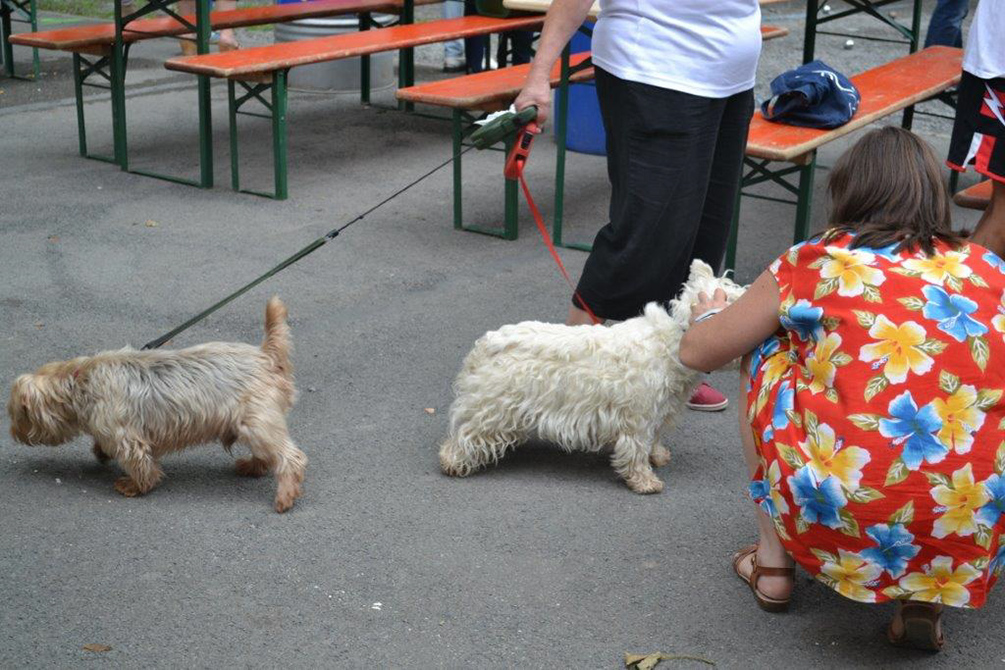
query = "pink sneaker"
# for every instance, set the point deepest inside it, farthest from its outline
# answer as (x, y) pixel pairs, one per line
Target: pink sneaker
(707, 399)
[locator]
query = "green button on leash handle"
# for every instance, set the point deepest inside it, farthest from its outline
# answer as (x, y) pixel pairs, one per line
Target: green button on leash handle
(501, 127)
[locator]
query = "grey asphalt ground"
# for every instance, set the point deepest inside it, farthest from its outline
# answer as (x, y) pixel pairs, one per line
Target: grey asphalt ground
(545, 561)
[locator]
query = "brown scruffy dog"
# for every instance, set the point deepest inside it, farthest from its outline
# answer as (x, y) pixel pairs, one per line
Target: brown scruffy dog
(140, 405)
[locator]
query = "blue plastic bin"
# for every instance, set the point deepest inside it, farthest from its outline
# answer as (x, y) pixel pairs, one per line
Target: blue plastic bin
(584, 131)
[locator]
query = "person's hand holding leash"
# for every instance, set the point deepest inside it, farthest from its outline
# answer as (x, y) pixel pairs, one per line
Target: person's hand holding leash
(564, 18)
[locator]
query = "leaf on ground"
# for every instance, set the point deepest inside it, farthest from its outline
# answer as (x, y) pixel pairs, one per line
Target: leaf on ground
(40, 324)
(150, 223)
(93, 646)
(54, 238)
(650, 661)
(430, 410)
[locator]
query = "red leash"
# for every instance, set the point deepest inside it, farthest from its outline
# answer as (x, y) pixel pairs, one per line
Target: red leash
(515, 163)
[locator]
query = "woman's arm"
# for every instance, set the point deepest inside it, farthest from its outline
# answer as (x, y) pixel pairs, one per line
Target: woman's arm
(736, 330)
(564, 17)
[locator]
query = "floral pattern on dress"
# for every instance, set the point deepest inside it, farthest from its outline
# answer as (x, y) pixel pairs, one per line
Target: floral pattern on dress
(878, 416)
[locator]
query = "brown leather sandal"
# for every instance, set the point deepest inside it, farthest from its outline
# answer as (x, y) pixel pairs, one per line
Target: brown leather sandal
(921, 627)
(766, 603)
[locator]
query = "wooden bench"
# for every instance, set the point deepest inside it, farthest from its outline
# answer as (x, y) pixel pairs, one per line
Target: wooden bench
(261, 69)
(885, 90)
(486, 92)
(977, 196)
(92, 48)
(494, 90)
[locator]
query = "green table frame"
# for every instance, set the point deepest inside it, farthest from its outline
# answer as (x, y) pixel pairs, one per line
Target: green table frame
(111, 69)
(25, 11)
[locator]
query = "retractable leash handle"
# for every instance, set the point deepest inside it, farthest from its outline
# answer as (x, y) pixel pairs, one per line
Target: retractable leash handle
(518, 155)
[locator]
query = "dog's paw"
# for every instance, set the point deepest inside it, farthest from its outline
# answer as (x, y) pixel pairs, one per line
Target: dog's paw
(127, 487)
(645, 484)
(660, 456)
(251, 467)
(100, 454)
(287, 494)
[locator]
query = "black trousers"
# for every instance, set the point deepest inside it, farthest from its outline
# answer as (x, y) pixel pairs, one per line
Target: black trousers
(674, 161)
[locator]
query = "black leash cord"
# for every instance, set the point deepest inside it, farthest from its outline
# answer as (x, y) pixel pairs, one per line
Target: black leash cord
(310, 248)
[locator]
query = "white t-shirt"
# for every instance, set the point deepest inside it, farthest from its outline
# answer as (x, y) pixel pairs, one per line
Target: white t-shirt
(703, 47)
(984, 55)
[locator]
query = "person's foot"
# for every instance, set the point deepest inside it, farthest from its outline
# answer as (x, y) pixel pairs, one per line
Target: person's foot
(707, 399)
(773, 585)
(454, 64)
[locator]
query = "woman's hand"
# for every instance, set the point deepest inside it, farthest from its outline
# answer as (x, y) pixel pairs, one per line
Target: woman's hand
(706, 304)
(536, 92)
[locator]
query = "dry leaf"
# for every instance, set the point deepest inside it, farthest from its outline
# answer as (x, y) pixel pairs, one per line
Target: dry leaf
(430, 410)
(650, 661)
(96, 647)
(54, 238)
(39, 324)
(151, 223)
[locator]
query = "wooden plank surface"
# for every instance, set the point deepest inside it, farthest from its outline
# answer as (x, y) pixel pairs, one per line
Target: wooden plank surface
(977, 196)
(485, 90)
(79, 37)
(234, 64)
(885, 90)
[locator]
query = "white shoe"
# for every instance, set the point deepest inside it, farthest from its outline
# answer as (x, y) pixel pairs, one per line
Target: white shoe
(454, 64)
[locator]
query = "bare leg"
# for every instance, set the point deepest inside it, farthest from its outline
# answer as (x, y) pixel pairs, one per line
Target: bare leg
(578, 317)
(770, 552)
(990, 230)
(188, 48)
(228, 41)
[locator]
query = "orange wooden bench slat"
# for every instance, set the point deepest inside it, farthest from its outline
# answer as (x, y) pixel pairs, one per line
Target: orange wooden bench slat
(885, 90)
(71, 39)
(772, 32)
(291, 54)
(475, 91)
(977, 196)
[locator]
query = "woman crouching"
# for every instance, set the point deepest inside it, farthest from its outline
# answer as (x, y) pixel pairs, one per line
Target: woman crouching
(874, 384)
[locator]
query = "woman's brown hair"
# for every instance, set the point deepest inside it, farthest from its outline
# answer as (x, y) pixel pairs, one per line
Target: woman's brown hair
(887, 189)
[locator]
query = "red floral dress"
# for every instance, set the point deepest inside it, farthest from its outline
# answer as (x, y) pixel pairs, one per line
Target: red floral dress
(878, 414)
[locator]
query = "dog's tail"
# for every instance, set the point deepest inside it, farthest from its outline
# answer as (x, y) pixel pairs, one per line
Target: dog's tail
(278, 344)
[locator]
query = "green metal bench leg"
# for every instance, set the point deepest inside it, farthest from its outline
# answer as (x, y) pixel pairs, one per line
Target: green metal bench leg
(117, 70)
(364, 64)
(279, 131)
(458, 183)
(235, 166)
(78, 91)
(5, 32)
(805, 199)
(954, 182)
(734, 227)
(203, 31)
(35, 61)
(406, 57)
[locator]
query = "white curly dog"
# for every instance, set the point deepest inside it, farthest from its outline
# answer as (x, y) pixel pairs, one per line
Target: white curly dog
(581, 387)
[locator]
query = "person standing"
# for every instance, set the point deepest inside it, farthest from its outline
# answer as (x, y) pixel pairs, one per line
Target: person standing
(946, 26)
(675, 83)
(979, 129)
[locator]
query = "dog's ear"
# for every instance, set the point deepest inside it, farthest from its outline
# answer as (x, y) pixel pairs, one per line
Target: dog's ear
(700, 270)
